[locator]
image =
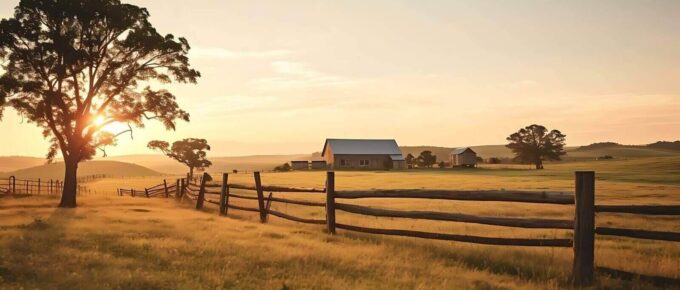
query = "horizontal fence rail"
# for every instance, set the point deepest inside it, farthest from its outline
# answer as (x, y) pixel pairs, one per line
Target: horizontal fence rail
(440, 216)
(640, 209)
(26, 187)
(462, 238)
(503, 196)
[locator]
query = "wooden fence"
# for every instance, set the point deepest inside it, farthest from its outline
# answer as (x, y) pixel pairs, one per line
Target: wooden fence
(158, 190)
(14, 186)
(583, 225)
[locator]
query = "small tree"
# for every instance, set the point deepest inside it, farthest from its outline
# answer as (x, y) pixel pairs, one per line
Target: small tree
(410, 160)
(190, 152)
(426, 159)
(495, 160)
(534, 144)
(442, 165)
(283, 168)
(72, 67)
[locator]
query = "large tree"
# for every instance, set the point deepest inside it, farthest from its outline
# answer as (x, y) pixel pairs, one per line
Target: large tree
(73, 67)
(534, 144)
(190, 152)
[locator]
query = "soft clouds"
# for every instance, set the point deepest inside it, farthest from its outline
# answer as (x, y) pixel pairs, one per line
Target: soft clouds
(227, 54)
(291, 74)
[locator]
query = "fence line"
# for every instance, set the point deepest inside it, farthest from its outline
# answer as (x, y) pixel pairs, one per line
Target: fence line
(25, 187)
(583, 226)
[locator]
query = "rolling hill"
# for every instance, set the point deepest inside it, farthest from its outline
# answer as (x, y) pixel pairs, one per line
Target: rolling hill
(12, 163)
(109, 168)
(164, 164)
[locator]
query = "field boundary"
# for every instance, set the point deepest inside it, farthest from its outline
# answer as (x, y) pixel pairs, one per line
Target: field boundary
(204, 190)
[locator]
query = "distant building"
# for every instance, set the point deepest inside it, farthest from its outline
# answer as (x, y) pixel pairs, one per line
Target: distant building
(363, 154)
(299, 165)
(464, 157)
(319, 164)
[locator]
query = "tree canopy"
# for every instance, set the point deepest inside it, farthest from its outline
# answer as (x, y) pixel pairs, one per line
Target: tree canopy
(73, 67)
(534, 144)
(426, 159)
(190, 152)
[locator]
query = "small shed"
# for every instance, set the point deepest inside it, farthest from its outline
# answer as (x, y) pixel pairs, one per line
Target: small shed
(463, 157)
(299, 165)
(318, 164)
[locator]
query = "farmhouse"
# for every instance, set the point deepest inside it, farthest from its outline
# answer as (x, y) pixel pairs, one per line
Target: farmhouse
(363, 154)
(464, 157)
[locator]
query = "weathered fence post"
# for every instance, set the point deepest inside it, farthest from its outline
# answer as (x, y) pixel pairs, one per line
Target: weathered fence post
(584, 228)
(201, 191)
(146, 192)
(260, 197)
(14, 184)
(177, 185)
(181, 189)
(330, 201)
(269, 204)
(38, 186)
(132, 192)
(165, 185)
(51, 191)
(224, 194)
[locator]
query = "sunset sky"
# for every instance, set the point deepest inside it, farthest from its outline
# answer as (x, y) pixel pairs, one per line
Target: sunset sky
(281, 76)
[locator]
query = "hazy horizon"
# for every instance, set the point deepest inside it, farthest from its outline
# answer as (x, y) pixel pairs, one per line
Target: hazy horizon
(280, 77)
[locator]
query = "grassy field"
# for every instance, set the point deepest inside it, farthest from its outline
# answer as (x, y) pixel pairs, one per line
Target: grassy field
(124, 242)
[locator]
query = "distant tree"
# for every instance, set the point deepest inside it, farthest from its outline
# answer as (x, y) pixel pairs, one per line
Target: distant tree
(442, 164)
(534, 144)
(190, 152)
(235, 171)
(283, 168)
(410, 160)
(494, 160)
(73, 67)
(479, 159)
(426, 159)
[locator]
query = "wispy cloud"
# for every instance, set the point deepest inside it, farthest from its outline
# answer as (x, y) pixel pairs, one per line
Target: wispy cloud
(228, 54)
(291, 74)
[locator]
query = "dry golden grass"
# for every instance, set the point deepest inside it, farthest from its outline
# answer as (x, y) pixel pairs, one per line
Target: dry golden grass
(124, 242)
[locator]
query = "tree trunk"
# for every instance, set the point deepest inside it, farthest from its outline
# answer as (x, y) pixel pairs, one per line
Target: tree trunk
(68, 196)
(191, 172)
(539, 164)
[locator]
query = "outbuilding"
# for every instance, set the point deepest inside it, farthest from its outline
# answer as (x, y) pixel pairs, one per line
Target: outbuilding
(376, 154)
(463, 157)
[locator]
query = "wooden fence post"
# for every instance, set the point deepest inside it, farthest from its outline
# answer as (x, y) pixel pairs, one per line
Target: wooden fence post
(181, 189)
(330, 201)
(584, 228)
(177, 185)
(38, 186)
(132, 192)
(260, 197)
(51, 192)
(224, 194)
(201, 191)
(14, 184)
(165, 185)
(146, 192)
(269, 204)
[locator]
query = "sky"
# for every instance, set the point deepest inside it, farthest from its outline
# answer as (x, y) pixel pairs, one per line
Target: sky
(279, 77)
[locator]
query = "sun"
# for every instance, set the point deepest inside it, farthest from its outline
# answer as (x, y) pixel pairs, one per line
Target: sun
(99, 120)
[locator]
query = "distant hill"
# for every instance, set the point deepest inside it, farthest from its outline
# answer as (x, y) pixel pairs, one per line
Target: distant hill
(484, 151)
(12, 163)
(164, 164)
(110, 168)
(658, 149)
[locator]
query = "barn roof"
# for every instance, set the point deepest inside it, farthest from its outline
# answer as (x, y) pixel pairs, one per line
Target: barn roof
(363, 146)
(461, 150)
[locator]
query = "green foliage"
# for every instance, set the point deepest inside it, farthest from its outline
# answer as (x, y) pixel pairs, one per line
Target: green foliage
(534, 144)
(190, 151)
(426, 159)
